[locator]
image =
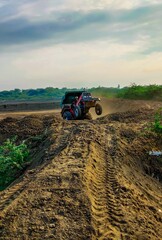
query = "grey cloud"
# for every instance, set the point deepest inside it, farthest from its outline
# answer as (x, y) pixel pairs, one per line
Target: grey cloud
(123, 25)
(21, 30)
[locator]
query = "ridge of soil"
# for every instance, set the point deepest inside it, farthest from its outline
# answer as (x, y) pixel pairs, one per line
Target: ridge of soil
(92, 180)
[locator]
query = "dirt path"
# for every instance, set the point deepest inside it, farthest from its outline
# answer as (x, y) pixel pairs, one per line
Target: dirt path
(95, 180)
(26, 113)
(107, 217)
(108, 105)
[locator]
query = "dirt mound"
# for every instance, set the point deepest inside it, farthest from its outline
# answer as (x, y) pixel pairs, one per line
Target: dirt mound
(139, 115)
(25, 127)
(96, 180)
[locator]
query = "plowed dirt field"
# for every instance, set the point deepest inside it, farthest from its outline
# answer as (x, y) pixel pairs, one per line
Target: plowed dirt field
(88, 179)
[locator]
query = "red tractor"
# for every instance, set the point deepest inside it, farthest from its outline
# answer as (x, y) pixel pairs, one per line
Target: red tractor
(76, 105)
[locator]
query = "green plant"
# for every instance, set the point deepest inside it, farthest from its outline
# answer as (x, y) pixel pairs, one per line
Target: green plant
(12, 160)
(157, 124)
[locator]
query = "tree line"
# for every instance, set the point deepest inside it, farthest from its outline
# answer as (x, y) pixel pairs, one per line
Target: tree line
(149, 92)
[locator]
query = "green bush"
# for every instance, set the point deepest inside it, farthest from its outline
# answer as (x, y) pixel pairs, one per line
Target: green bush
(157, 124)
(12, 159)
(150, 92)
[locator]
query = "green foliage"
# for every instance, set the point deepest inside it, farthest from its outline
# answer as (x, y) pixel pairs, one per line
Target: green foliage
(12, 159)
(157, 124)
(151, 92)
(104, 92)
(33, 94)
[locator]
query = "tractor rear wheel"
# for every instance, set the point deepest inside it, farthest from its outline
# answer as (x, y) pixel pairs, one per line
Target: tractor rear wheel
(77, 112)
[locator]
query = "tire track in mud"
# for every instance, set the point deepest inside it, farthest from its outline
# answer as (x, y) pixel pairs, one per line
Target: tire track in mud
(80, 173)
(60, 177)
(61, 136)
(68, 167)
(103, 190)
(12, 193)
(148, 230)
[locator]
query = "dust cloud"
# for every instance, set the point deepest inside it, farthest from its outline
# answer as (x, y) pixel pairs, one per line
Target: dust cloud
(121, 105)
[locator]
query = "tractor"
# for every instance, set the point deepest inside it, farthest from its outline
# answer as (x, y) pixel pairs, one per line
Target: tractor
(76, 105)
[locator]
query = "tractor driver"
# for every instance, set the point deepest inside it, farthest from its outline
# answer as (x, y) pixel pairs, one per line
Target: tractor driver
(74, 102)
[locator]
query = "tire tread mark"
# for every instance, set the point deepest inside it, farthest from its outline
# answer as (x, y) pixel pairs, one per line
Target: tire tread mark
(12, 193)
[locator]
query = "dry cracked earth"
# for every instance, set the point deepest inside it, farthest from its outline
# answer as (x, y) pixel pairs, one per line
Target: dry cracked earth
(88, 179)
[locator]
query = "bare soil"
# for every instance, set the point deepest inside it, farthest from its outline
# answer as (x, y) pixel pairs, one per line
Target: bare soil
(88, 179)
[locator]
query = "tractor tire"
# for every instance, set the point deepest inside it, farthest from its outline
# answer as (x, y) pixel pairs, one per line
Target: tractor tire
(67, 115)
(98, 109)
(77, 112)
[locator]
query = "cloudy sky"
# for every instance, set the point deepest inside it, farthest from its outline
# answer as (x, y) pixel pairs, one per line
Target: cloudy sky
(80, 43)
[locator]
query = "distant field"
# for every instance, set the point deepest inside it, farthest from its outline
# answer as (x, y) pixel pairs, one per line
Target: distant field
(12, 106)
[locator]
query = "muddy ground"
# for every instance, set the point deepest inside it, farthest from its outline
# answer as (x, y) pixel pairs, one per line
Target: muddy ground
(88, 179)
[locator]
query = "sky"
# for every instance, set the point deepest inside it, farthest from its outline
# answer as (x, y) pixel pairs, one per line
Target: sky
(80, 43)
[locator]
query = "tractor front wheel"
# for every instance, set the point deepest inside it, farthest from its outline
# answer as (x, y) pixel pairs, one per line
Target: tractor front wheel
(98, 109)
